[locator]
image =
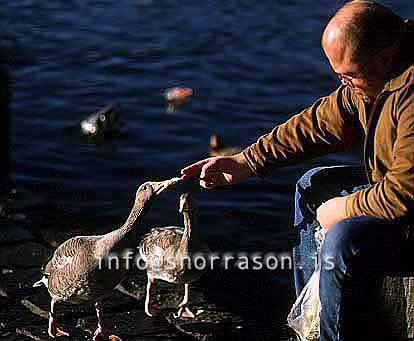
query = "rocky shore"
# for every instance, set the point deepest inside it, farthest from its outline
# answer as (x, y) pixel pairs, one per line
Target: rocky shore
(238, 305)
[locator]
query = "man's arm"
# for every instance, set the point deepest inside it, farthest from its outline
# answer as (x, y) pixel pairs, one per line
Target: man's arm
(331, 124)
(393, 196)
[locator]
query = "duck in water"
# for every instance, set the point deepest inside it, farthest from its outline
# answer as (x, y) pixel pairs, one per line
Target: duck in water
(217, 147)
(79, 272)
(104, 122)
(167, 252)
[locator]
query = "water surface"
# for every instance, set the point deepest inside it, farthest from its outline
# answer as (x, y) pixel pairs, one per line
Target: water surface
(251, 65)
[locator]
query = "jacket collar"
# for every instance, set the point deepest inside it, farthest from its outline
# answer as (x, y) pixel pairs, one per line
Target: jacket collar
(400, 80)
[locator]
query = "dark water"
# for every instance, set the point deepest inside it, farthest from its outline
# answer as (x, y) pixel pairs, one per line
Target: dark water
(251, 64)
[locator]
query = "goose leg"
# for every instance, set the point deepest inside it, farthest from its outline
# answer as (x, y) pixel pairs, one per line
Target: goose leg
(98, 335)
(184, 311)
(148, 298)
(186, 295)
(52, 330)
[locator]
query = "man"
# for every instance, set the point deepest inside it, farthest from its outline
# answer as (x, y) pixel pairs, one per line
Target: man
(371, 50)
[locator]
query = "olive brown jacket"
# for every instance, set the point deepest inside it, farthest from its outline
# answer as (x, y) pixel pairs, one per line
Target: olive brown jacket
(340, 121)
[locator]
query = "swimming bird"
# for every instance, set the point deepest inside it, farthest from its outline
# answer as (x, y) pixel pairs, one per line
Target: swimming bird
(80, 271)
(217, 147)
(105, 121)
(167, 252)
(177, 96)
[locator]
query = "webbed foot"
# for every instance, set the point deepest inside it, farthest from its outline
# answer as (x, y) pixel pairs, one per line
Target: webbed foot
(185, 312)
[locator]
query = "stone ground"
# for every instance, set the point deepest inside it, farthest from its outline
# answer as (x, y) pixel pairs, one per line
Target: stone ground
(238, 305)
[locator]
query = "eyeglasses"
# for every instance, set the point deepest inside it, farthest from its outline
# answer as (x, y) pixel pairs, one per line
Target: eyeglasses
(346, 79)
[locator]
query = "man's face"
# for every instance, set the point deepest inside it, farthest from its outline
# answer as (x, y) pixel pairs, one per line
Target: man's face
(366, 75)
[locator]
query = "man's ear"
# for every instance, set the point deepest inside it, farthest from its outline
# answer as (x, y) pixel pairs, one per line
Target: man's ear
(387, 58)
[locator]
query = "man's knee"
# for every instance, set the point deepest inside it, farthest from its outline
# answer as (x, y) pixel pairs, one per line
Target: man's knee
(311, 190)
(339, 245)
(346, 239)
(324, 175)
(305, 180)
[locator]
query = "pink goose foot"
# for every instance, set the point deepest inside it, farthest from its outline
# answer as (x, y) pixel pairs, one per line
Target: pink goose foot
(185, 312)
(98, 335)
(60, 332)
(53, 331)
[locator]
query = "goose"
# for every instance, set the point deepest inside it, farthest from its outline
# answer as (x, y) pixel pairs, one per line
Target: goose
(167, 251)
(80, 271)
(217, 147)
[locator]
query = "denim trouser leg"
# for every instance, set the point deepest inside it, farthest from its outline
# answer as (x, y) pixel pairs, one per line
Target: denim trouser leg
(313, 188)
(365, 247)
(364, 239)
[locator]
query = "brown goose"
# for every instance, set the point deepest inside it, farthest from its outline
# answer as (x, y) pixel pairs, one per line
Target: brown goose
(78, 271)
(217, 147)
(167, 252)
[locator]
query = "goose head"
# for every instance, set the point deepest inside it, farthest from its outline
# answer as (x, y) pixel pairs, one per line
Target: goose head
(151, 189)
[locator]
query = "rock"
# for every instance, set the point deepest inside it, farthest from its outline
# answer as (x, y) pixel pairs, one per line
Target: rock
(29, 254)
(14, 233)
(232, 312)
(18, 285)
(26, 332)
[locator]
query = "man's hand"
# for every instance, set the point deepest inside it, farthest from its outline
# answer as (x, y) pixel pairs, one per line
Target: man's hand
(219, 171)
(330, 212)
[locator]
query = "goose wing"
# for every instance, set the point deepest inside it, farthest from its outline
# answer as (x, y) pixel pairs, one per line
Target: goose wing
(67, 252)
(159, 250)
(160, 240)
(69, 267)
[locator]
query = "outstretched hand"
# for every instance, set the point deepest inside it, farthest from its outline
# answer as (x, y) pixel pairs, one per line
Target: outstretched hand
(218, 171)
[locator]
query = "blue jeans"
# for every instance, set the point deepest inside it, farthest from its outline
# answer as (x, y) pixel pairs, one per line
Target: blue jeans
(356, 251)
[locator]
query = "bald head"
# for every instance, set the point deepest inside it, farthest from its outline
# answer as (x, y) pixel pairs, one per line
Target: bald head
(365, 27)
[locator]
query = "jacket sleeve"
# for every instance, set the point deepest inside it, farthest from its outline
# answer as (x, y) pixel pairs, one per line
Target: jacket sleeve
(393, 196)
(331, 124)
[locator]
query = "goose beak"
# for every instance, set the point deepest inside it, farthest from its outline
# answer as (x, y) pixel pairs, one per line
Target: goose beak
(161, 186)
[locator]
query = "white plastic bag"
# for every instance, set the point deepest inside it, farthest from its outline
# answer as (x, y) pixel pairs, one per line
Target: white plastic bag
(304, 317)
